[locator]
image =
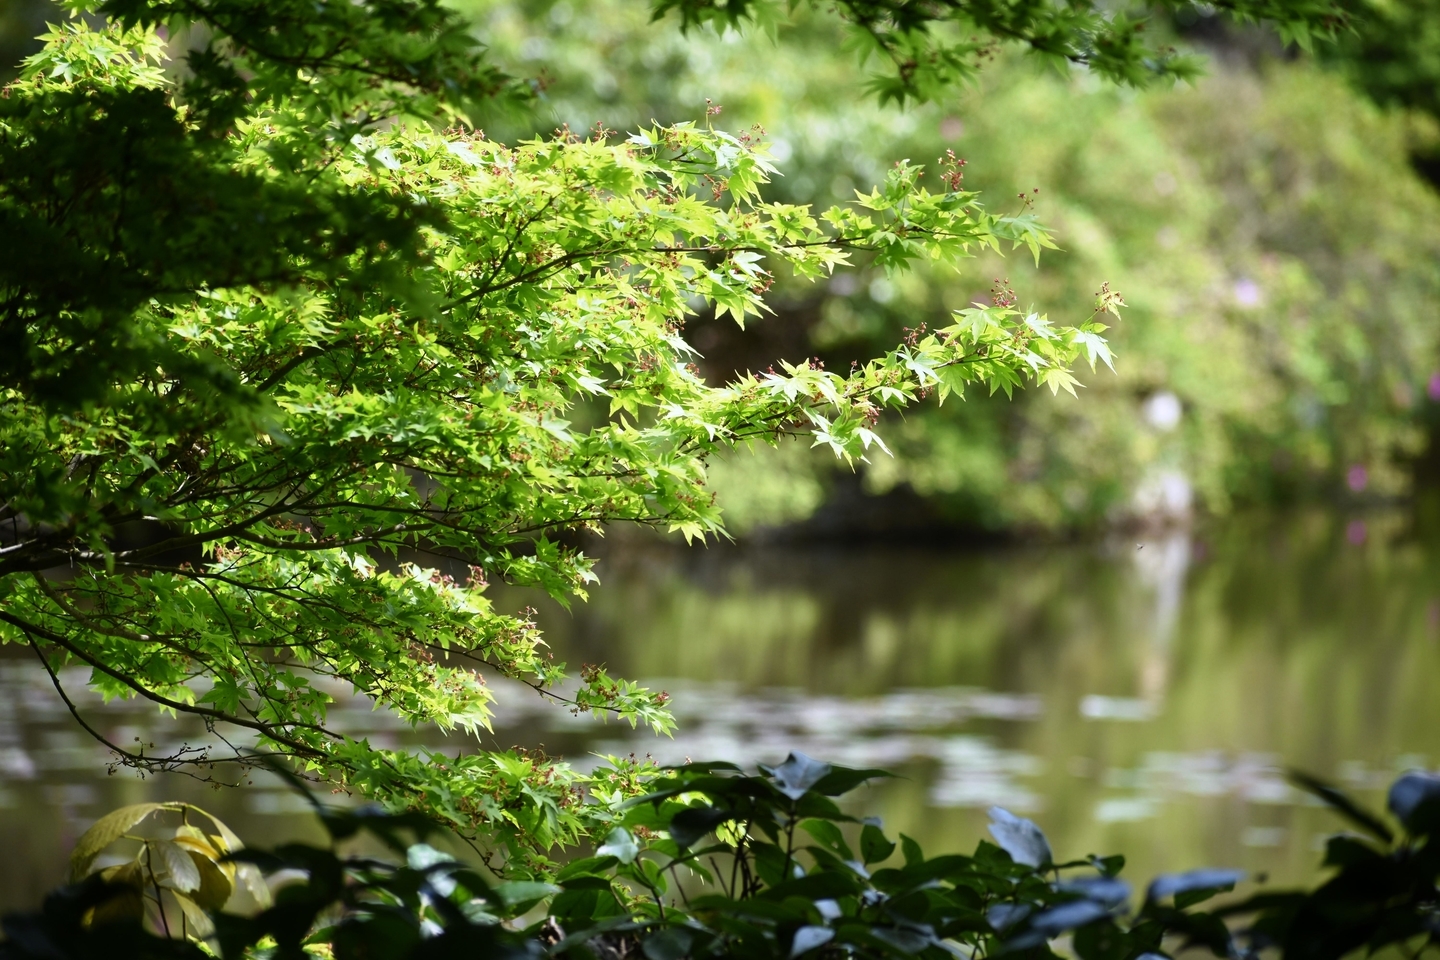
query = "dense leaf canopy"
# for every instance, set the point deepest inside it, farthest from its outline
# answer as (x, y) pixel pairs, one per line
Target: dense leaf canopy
(930, 46)
(294, 373)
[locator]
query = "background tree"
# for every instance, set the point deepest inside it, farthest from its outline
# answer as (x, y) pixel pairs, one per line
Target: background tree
(1275, 244)
(1393, 55)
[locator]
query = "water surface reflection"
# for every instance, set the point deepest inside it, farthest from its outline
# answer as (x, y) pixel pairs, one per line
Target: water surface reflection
(1142, 696)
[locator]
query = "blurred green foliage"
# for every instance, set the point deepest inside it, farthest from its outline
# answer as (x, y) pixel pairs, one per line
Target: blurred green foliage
(1265, 225)
(1393, 55)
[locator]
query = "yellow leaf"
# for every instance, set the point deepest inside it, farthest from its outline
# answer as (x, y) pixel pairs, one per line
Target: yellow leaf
(198, 925)
(104, 832)
(217, 878)
(251, 881)
(173, 867)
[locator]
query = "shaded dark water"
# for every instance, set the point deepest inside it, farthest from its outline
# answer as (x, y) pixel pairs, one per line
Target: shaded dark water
(1143, 697)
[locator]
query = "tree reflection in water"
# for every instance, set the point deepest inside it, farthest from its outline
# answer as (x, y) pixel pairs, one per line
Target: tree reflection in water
(1142, 696)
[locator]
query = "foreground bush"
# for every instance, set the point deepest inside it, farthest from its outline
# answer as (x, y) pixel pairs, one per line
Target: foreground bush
(711, 862)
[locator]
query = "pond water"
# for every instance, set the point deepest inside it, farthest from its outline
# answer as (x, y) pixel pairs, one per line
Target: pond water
(1145, 695)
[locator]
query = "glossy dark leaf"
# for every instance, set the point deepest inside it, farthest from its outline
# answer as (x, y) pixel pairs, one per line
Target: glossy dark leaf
(827, 860)
(913, 854)
(667, 943)
(798, 774)
(1207, 880)
(903, 939)
(1003, 916)
(712, 786)
(585, 866)
(829, 835)
(1104, 890)
(1101, 941)
(809, 938)
(620, 845)
(819, 806)
(1189, 898)
(1343, 805)
(1021, 838)
(579, 907)
(518, 894)
(1068, 916)
(1109, 866)
(1415, 800)
(830, 885)
(692, 823)
(875, 847)
(710, 766)
(1343, 851)
(841, 780)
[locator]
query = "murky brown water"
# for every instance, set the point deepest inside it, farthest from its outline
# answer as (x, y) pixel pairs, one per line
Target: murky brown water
(1142, 697)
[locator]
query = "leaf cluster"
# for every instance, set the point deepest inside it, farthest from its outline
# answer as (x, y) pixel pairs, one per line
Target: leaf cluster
(710, 862)
(714, 863)
(1383, 892)
(385, 368)
(176, 877)
(932, 46)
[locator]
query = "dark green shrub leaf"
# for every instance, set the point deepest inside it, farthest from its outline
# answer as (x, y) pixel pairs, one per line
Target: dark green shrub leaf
(1101, 941)
(1415, 801)
(1343, 851)
(874, 846)
(905, 940)
(580, 868)
(1109, 866)
(828, 834)
(913, 854)
(707, 767)
(841, 780)
(1342, 805)
(798, 774)
(1021, 838)
(620, 845)
(1208, 881)
(826, 860)
(1003, 916)
(770, 863)
(1103, 890)
(520, 894)
(830, 885)
(692, 823)
(1068, 916)
(820, 807)
(588, 882)
(809, 938)
(668, 943)
(576, 907)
